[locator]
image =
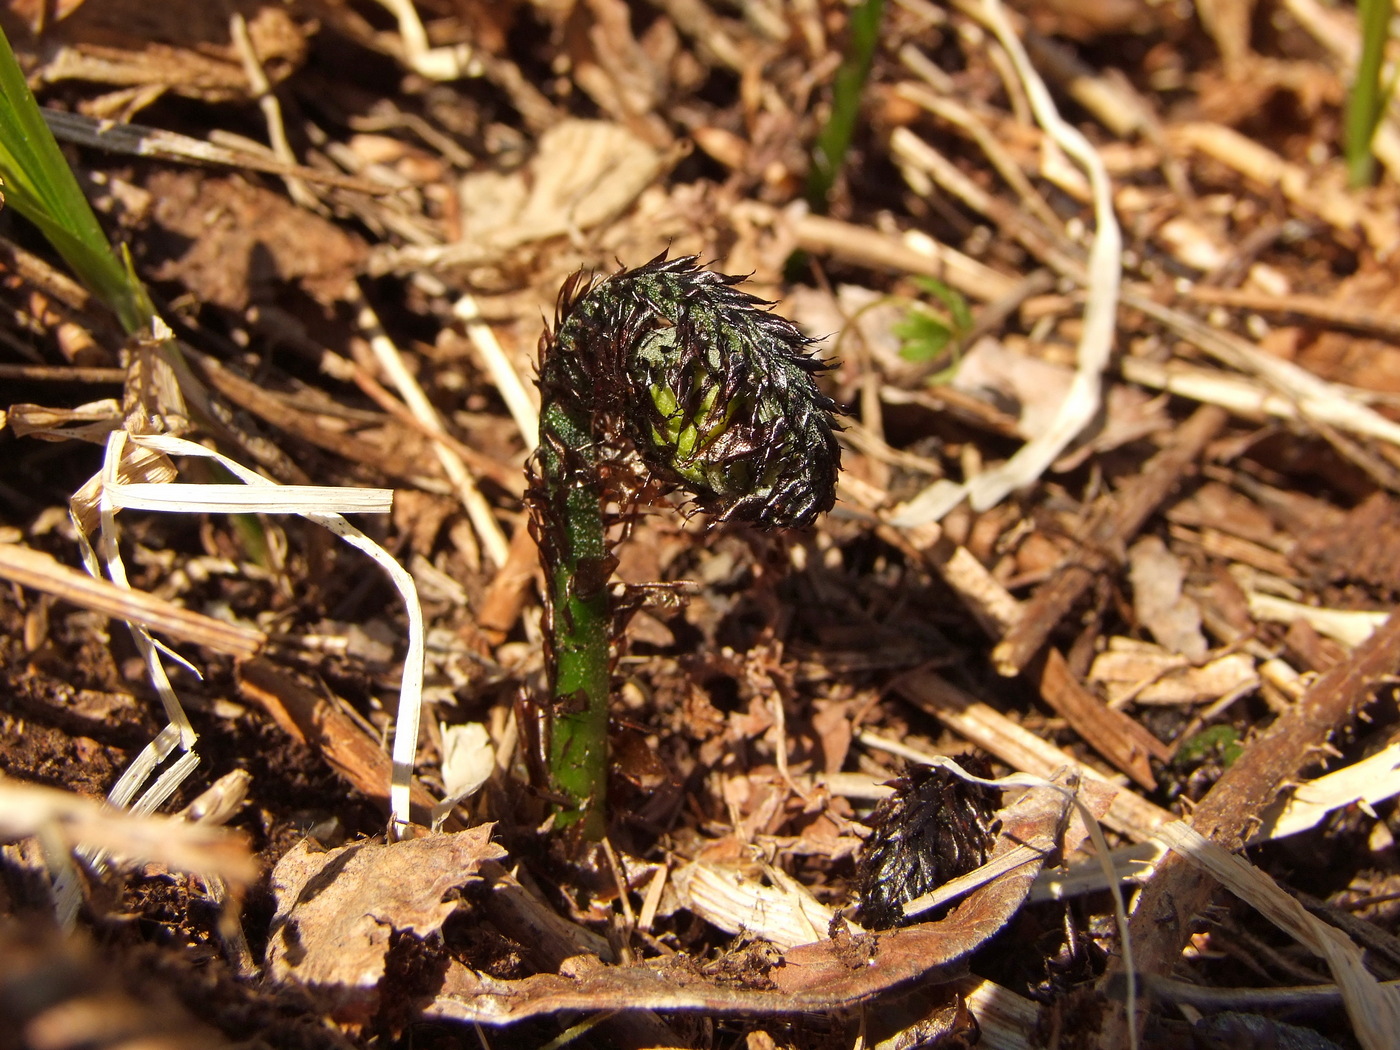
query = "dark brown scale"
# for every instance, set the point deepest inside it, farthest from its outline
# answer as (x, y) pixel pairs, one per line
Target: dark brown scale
(934, 828)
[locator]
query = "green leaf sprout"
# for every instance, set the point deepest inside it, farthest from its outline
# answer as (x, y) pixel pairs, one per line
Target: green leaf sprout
(924, 335)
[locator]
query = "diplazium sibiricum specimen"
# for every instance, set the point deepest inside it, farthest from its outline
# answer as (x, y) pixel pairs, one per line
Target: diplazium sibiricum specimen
(664, 376)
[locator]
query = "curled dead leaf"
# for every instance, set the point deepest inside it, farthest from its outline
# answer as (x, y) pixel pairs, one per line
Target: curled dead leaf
(835, 972)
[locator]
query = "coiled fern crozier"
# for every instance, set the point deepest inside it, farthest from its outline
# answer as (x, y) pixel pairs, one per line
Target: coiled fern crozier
(664, 376)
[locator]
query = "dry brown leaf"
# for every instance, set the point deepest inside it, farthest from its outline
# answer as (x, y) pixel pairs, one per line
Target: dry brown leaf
(1029, 387)
(235, 242)
(585, 173)
(336, 910)
(832, 723)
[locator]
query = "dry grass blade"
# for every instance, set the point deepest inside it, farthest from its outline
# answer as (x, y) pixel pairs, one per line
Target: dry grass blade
(1368, 782)
(139, 141)
(1103, 277)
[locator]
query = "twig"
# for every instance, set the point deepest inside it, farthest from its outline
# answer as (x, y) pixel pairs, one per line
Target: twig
(309, 718)
(908, 149)
(1329, 311)
(38, 571)
(483, 465)
(965, 120)
(863, 246)
(417, 53)
(1343, 212)
(1317, 399)
(1112, 733)
(271, 111)
(276, 410)
(63, 374)
(508, 590)
(523, 407)
(1271, 1002)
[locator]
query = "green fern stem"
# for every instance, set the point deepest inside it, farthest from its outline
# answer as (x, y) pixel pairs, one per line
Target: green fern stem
(574, 550)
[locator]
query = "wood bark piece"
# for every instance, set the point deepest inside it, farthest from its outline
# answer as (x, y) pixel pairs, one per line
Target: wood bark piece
(1109, 530)
(1176, 894)
(509, 589)
(1117, 736)
(313, 720)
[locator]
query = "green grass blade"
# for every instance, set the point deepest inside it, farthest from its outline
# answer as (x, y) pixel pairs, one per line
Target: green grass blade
(829, 151)
(1366, 100)
(42, 188)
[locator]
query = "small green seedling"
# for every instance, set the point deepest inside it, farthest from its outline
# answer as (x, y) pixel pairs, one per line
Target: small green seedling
(924, 334)
(661, 377)
(1221, 742)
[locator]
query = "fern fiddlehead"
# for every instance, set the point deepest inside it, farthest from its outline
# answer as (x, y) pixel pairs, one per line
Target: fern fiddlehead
(669, 373)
